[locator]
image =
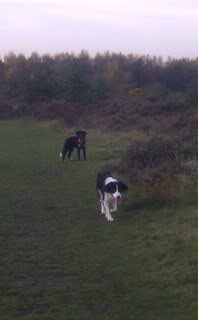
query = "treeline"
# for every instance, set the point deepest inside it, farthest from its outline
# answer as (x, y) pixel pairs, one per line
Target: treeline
(84, 79)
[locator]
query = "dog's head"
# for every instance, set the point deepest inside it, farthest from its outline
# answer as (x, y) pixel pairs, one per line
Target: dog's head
(81, 136)
(116, 188)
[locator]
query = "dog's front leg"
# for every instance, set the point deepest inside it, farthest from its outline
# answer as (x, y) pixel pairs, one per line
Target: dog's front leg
(101, 202)
(107, 211)
(114, 206)
(103, 211)
(84, 153)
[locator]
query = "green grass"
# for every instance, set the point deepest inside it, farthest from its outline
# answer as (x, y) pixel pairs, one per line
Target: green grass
(60, 259)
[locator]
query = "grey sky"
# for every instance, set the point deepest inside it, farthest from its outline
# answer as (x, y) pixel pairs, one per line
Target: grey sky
(156, 27)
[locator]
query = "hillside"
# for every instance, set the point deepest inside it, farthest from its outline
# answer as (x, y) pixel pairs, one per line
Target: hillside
(112, 90)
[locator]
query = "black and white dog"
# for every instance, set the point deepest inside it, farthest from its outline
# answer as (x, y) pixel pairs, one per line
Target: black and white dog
(110, 192)
(78, 141)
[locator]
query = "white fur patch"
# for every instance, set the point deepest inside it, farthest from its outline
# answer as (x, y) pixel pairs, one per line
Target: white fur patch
(109, 179)
(116, 194)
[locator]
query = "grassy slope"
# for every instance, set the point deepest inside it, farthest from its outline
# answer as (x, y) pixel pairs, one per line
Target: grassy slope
(60, 259)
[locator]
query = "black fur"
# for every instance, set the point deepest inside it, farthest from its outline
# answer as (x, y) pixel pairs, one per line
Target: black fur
(100, 180)
(122, 187)
(78, 142)
(110, 187)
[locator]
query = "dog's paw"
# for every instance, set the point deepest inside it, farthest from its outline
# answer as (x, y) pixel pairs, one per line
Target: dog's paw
(109, 218)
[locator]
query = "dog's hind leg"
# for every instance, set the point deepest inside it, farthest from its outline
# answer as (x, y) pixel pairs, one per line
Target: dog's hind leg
(70, 152)
(78, 152)
(64, 151)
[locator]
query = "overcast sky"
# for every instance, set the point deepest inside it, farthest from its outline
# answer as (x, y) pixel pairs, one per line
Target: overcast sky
(155, 27)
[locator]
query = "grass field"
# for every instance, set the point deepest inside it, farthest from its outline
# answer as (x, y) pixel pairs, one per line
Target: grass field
(60, 259)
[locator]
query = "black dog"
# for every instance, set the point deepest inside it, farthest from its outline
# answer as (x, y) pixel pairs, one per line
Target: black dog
(78, 142)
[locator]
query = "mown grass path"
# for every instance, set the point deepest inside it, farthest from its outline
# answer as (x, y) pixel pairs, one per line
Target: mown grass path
(60, 259)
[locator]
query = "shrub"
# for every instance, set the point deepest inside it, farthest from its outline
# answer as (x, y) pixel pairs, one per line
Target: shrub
(175, 102)
(159, 164)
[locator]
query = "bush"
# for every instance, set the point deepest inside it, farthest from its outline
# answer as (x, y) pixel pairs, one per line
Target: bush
(153, 153)
(175, 102)
(159, 165)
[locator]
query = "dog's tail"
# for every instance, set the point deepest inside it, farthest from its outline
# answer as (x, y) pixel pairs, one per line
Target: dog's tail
(61, 155)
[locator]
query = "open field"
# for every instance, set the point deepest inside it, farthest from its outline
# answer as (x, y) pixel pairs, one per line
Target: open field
(60, 259)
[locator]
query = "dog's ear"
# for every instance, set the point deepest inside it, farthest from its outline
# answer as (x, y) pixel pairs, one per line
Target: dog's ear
(83, 132)
(122, 186)
(110, 187)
